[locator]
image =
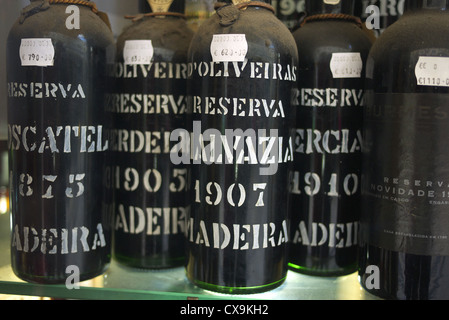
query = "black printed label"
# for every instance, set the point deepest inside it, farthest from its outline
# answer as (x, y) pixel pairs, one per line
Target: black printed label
(406, 173)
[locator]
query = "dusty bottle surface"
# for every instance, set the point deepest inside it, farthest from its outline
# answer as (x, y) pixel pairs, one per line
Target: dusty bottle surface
(405, 244)
(326, 177)
(150, 192)
(58, 138)
(242, 69)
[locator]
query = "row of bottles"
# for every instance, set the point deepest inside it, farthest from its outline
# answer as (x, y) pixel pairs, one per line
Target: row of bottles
(291, 12)
(241, 150)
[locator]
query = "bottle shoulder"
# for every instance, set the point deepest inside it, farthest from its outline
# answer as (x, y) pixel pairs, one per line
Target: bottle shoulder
(60, 26)
(168, 33)
(414, 31)
(257, 21)
(263, 32)
(399, 50)
(327, 37)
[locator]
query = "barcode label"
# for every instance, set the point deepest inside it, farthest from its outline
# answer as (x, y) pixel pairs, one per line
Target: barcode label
(346, 65)
(138, 52)
(432, 71)
(37, 52)
(229, 48)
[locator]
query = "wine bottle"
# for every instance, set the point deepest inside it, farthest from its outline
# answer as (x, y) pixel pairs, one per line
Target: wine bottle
(151, 199)
(325, 182)
(405, 226)
(242, 71)
(57, 75)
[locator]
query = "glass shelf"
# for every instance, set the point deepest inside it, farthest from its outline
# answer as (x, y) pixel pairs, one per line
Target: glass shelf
(123, 283)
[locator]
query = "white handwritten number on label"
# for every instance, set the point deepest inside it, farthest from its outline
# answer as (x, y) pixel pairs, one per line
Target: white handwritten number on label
(229, 48)
(37, 52)
(432, 71)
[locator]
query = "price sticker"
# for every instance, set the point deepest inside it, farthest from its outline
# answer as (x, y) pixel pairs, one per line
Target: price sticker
(138, 52)
(346, 65)
(37, 52)
(432, 71)
(229, 48)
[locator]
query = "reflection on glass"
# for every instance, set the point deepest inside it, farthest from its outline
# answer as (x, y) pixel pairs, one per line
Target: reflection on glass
(4, 200)
(4, 178)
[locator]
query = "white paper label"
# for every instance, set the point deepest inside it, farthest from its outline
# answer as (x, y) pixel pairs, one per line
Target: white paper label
(37, 52)
(346, 65)
(432, 71)
(229, 47)
(138, 52)
(160, 5)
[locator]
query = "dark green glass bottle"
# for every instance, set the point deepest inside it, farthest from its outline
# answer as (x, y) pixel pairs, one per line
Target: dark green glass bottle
(57, 74)
(405, 225)
(325, 182)
(242, 67)
(151, 199)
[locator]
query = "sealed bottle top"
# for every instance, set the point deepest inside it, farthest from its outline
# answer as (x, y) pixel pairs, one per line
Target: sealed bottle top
(314, 7)
(36, 6)
(153, 6)
(87, 3)
(411, 5)
(241, 1)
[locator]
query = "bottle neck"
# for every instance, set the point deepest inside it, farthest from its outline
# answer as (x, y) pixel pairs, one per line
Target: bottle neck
(414, 5)
(151, 6)
(315, 7)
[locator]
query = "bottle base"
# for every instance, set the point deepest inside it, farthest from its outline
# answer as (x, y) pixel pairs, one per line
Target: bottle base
(377, 292)
(150, 263)
(397, 275)
(47, 280)
(322, 273)
(238, 290)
